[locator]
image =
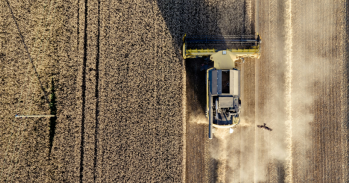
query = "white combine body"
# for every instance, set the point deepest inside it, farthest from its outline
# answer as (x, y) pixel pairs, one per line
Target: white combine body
(223, 102)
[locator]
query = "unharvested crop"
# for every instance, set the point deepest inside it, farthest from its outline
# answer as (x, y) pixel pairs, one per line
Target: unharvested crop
(130, 109)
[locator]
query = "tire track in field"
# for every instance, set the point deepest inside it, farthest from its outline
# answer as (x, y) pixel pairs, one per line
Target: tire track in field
(313, 107)
(337, 101)
(322, 102)
(342, 55)
(306, 51)
(97, 94)
(272, 25)
(270, 167)
(344, 91)
(335, 93)
(317, 163)
(298, 92)
(83, 95)
(327, 136)
(104, 53)
(332, 97)
(288, 84)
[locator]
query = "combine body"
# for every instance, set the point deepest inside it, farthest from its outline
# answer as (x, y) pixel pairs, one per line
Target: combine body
(223, 98)
(223, 102)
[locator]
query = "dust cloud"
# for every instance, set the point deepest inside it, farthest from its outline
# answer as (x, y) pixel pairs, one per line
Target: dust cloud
(288, 108)
(287, 111)
(291, 129)
(199, 119)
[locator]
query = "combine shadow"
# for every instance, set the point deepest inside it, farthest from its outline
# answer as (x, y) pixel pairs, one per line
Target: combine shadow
(197, 17)
(196, 80)
(191, 17)
(215, 164)
(281, 171)
(53, 111)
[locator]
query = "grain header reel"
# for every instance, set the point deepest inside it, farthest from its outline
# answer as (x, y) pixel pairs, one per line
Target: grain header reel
(223, 102)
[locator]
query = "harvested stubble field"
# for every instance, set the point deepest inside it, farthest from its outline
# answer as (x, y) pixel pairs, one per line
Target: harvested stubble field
(130, 109)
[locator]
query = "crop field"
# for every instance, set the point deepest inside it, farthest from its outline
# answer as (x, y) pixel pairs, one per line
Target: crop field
(129, 108)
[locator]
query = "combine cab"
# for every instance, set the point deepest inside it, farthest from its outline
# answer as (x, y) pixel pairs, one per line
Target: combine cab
(223, 79)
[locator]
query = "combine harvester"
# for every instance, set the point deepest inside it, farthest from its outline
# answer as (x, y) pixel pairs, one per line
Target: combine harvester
(223, 102)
